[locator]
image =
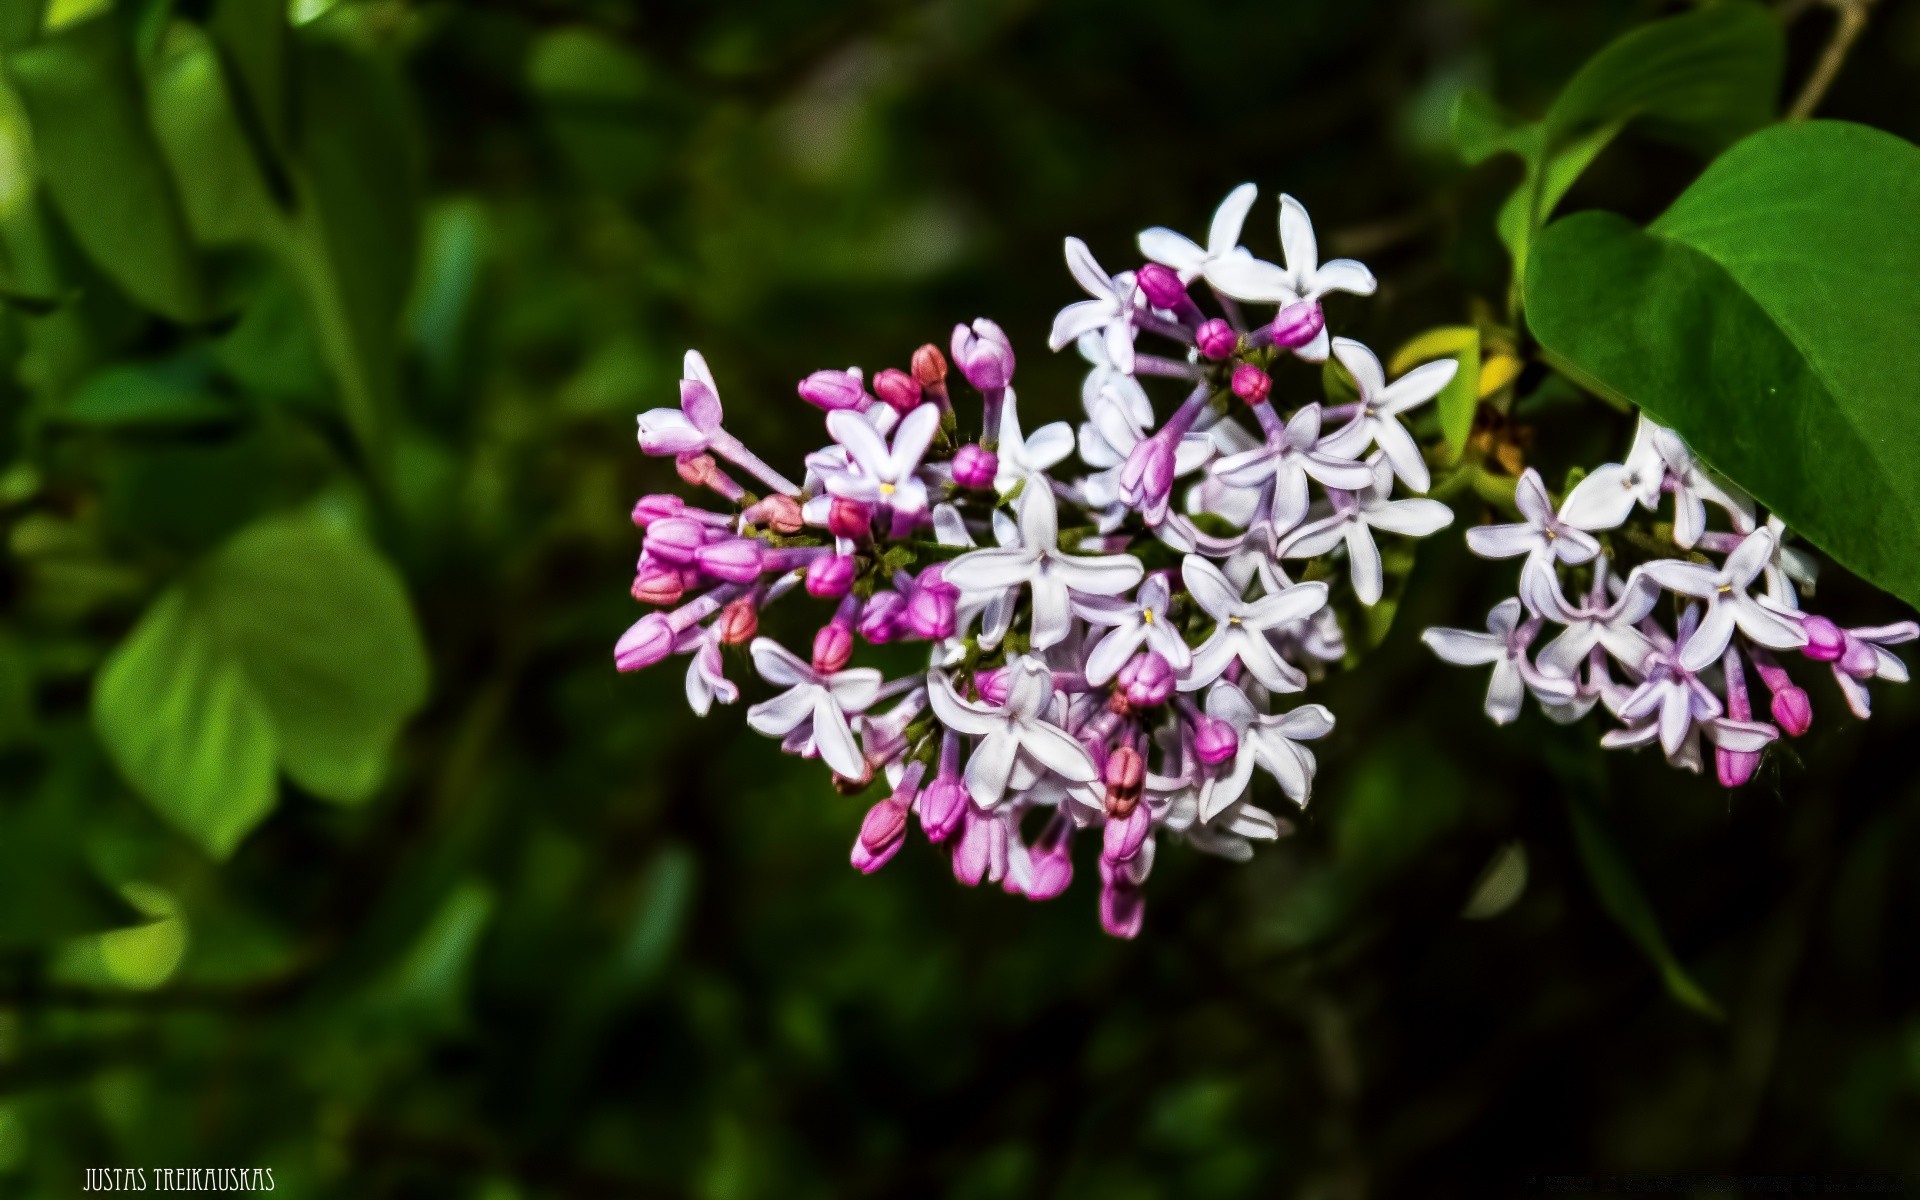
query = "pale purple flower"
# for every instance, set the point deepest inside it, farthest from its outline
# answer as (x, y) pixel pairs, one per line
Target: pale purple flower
(1018, 742)
(1287, 460)
(690, 428)
(707, 681)
(1271, 741)
(1131, 624)
(1377, 420)
(1658, 460)
(1242, 627)
(1542, 536)
(1355, 517)
(1858, 655)
(1673, 706)
(1110, 311)
(814, 707)
(1504, 647)
(1728, 604)
(1221, 262)
(1612, 626)
(1028, 457)
(877, 473)
(1311, 278)
(1051, 574)
(984, 355)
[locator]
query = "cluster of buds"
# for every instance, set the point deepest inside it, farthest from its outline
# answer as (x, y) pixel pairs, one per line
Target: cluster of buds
(1735, 589)
(1095, 650)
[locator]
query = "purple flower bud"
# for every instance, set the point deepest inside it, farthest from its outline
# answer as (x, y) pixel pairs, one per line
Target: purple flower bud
(981, 854)
(941, 808)
(657, 583)
(1160, 285)
(1218, 339)
(1214, 741)
(1052, 870)
(1858, 659)
(849, 518)
(1121, 838)
(657, 507)
(974, 466)
(885, 828)
(1251, 384)
(832, 647)
(930, 613)
(830, 576)
(1792, 710)
(993, 686)
(1297, 324)
(675, 540)
(983, 354)
(1734, 767)
(1146, 480)
(1123, 908)
(646, 642)
(738, 622)
(1147, 679)
(897, 390)
(880, 620)
(833, 390)
(1825, 641)
(735, 560)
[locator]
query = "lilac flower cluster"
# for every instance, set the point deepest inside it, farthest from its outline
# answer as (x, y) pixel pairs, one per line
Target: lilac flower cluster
(1677, 682)
(1100, 657)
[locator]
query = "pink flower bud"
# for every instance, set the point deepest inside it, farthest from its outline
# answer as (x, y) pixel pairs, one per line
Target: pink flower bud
(993, 686)
(849, 518)
(780, 513)
(1146, 480)
(981, 854)
(1218, 339)
(983, 354)
(738, 622)
(1251, 384)
(1792, 710)
(930, 613)
(1147, 679)
(832, 648)
(658, 583)
(885, 826)
(830, 576)
(1051, 864)
(1825, 641)
(929, 366)
(941, 808)
(1123, 774)
(646, 642)
(975, 466)
(1734, 767)
(1161, 285)
(735, 560)
(1214, 741)
(1297, 324)
(880, 619)
(696, 470)
(658, 507)
(1123, 908)
(833, 390)
(1121, 838)
(675, 539)
(897, 389)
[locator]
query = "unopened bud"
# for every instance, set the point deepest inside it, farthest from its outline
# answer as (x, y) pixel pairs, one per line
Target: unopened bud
(833, 390)
(1825, 641)
(738, 622)
(1792, 710)
(1161, 285)
(649, 509)
(1146, 680)
(658, 583)
(735, 560)
(832, 648)
(1251, 384)
(1297, 324)
(830, 576)
(897, 390)
(781, 513)
(975, 467)
(880, 619)
(1217, 339)
(675, 539)
(849, 518)
(929, 366)
(993, 686)
(1214, 741)
(1123, 774)
(696, 469)
(984, 355)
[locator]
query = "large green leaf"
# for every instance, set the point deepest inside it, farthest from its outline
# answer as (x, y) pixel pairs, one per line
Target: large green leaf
(1699, 80)
(1767, 316)
(294, 645)
(101, 163)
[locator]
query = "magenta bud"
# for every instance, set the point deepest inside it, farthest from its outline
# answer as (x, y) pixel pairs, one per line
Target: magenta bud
(832, 648)
(830, 576)
(1160, 285)
(941, 807)
(930, 613)
(657, 507)
(993, 686)
(1251, 384)
(1147, 679)
(1297, 324)
(1121, 838)
(849, 518)
(1123, 908)
(981, 854)
(975, 466)
(897, 390)
(833, 390)
(646, 642)
(1217, 339)
(1734, 767)
(735, 560)
(880, 620)
(983, 354)
(1825, 641)
(1146, 479)
(1052, 873)
(1792, 710)
(1214, 741)
(658, 583)
(675, 539)
(885, 825)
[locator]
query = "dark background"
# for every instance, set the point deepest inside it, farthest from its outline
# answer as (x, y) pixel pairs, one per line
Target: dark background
(586, 944)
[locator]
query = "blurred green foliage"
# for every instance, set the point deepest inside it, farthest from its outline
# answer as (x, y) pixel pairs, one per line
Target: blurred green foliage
(330, 841)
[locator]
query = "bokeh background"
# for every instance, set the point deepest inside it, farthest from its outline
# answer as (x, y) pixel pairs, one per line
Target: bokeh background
(579, 943)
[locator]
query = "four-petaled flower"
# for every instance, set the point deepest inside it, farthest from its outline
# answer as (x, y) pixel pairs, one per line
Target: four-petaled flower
(1270, 741)
(1110, 311)
(1377, 420)
(1026, 456)
(1019, 744)
(1221, 262)
(1504, 646)
(1241, 631)
(1051, 574)
(1355, 517)
(1728, 605)
(1130, 625)
(876, 474)
(1289, 459)
(814, 707)
(1543, 537)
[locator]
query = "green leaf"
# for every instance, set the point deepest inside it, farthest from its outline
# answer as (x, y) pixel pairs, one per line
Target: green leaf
(146, 956)
(165, 394)
(223, 177)
(1500, 885)
(47, 891)
(180, 719)
(103, 166)
(1620, 894)
(1767, 316)
(295, 645)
